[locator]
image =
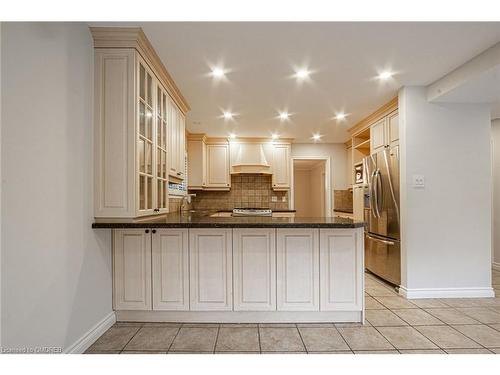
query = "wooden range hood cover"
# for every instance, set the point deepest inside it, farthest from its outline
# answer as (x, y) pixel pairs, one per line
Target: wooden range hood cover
(250, 159)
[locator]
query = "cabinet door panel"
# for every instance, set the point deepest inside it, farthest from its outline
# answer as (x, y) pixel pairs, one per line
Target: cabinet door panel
(218, 165)
(170, 269)
(254, 252)
(393, 120)
(281, 167)
(210, 257)
(298, 270)
(132, 270)
(341, 260)
(377, 136)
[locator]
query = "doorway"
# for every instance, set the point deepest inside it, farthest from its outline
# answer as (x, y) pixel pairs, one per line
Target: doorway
(310, 193)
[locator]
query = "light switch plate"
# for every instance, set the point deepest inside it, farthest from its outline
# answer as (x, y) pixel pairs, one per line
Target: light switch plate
(274, 198)
(418, 181)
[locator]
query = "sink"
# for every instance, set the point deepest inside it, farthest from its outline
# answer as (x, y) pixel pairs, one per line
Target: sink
(222, 214)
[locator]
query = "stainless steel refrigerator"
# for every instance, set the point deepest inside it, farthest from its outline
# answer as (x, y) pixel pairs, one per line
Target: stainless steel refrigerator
(382, 234)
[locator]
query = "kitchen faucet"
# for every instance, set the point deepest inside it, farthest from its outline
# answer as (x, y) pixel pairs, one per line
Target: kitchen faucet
(185, 198)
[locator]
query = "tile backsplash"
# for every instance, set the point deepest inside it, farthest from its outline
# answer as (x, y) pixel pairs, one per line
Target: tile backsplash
(342, 199)
(246, 191)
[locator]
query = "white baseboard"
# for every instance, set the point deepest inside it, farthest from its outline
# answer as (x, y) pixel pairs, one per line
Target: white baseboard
(446, 292)
(83, 343)
(495, 266)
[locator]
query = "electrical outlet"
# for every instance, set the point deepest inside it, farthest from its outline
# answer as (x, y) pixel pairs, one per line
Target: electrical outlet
(283, 199)
(418, 181)
(274, 198)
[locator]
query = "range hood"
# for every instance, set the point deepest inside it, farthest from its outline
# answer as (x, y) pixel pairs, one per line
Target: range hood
(250, 159)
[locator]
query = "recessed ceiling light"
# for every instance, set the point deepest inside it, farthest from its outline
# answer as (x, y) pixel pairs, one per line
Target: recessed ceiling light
(340, 116)
(284, 116)
(227, 115)
(218, 72)
(275, 136)
(385, 75)
(316, 137)
(302, 73)
(232, 135)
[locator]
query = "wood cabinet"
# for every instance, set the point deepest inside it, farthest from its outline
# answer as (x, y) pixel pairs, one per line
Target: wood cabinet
(378, 136)
(134, 101)
(385, 132)
(297, 270)
(197, 161)
(170, 269)
(341, 260)
(281, 165)
(254, 269)
(132, 269)
(210, 264)
(177, 145)
(217, 161)
(208, 163)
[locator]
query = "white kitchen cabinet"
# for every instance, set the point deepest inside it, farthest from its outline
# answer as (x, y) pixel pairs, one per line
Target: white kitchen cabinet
(254, 269)
(177, 146)
(217, 173)
(393, 125)
(384, 132)
(350, 167)
(197, 161)
(378, 136)
(210, 258)
(281, 167)
(170, 269)
(133, 100)
(341, 260)
(132, 269)
(297, 269)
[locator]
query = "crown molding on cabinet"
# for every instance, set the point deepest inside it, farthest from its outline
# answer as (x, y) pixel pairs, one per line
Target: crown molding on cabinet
(383, 111)
(134, 37)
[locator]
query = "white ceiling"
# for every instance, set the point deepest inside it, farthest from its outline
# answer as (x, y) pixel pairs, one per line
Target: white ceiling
(344, 57)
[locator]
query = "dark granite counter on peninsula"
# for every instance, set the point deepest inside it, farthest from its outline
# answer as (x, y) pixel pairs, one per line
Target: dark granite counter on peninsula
(203, 219)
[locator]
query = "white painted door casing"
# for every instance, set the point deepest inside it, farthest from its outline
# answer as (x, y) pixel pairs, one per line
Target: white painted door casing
(254, 269)
(170, 269)
(341, 272)
(210, 271)
(132, 269)
(297, 269)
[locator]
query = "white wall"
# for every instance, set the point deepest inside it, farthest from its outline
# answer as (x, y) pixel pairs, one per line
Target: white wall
(495, 136)
(446, 227)
(56, 270)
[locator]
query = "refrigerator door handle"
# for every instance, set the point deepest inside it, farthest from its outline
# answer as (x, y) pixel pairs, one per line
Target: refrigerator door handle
(373, 205)
(380, 240)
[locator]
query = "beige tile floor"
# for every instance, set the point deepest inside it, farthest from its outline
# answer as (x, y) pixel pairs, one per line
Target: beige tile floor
(393, 325)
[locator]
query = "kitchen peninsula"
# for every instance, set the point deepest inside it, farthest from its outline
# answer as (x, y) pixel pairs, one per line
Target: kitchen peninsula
(194, 267)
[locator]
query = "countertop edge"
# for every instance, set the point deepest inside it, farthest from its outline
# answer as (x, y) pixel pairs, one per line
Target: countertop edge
(226, 225)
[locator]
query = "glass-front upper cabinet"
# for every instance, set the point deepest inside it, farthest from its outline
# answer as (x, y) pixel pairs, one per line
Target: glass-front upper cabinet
(161, 149)
(145, 138)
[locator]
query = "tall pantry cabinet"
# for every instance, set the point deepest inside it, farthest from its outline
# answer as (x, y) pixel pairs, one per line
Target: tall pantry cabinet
(139, 126)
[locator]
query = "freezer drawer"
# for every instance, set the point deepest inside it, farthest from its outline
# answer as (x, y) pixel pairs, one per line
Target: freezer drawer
(383, 258)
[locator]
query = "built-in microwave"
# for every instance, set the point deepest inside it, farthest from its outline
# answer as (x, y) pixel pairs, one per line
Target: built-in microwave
(358, 173)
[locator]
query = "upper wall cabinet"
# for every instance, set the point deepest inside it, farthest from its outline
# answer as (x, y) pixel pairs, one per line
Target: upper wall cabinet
(385, 132)
(138, 109)
(281, 164)
(208, 163)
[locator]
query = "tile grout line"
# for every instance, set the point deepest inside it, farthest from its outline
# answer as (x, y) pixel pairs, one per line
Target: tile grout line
(258, 334)
(216, 338)
(128, 342)
(343, 338)
(301, 339)
(176, 334)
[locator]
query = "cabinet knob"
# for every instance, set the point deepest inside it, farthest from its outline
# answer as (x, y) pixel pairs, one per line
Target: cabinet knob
(153, 231)
(147, 231)
(227, 184)
(156, 210)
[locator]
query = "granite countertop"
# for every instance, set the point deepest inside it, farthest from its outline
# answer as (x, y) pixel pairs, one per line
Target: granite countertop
(202, 219)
